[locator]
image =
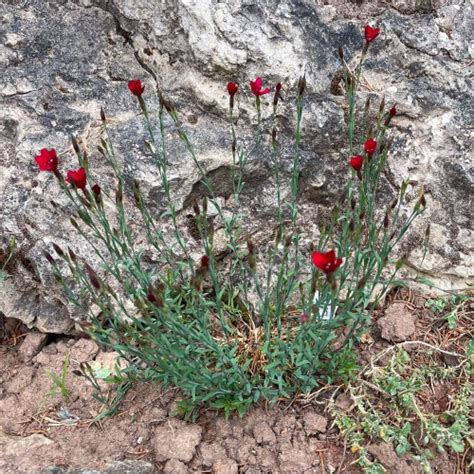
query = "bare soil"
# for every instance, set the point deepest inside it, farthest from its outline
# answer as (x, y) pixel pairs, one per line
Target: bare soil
(296, 436)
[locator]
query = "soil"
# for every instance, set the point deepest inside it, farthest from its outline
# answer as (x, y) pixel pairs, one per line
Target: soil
(39, 429)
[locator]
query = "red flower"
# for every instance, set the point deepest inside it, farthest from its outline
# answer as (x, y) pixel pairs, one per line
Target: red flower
(393, 111)
(232, 88)
(136, 87)
(205, 261)
(77, 178)
(370, 33)
(370, 146)
(47, 160)
(278, 86)
(256, 87)
(327, 262)
(96, 189)
(356, 162)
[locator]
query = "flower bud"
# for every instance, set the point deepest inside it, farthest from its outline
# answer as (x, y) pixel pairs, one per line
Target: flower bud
(251, 255)
(49, 258)
(382, 105)
(102, 115)
(341, 53)
(58, 250)
(196, 209)
(367, 105)
(314, 283)
(96, 189)
(155, 296)
(167, 105)
(362, 282)
(205, 261)
(71, 253)
(274, 135)
(301, 85)
(94, 279)
(119, 195)
(75, 145)
(74, 223)
(278, 235)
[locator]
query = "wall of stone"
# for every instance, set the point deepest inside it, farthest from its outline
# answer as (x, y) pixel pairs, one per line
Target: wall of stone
(62, 60)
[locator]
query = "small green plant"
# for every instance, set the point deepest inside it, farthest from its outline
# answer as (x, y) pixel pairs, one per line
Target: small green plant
(272, 319)
(388, 405)
(59, 382)
(451, 306)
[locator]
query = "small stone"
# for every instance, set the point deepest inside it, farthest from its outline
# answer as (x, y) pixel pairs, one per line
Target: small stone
(32, 345)
(387, 456)
(398, 324)
(176, 440)
(225, 467)
(315, 423)
(263, 434)
(84, 350)
(129, 467)
(19, 446)
(344, 401)
(173, 466)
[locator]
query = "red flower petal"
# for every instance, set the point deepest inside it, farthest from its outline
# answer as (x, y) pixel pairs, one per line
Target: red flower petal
(77, 178)
(327, 262)
(205, 261)
(319, 260)
(232, 88)
(356, 162)
(136, 87)
(370, 146)
(393, 111)
(256, 87)
(278, 86)
(47, 160)
(370, 33)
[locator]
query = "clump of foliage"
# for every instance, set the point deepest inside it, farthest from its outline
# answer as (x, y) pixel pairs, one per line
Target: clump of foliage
(392, 401)
(267, 321)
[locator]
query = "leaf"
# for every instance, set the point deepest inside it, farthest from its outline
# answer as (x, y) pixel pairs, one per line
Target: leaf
(457, 445)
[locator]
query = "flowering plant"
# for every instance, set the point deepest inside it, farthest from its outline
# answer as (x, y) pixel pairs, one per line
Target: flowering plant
(267, 321)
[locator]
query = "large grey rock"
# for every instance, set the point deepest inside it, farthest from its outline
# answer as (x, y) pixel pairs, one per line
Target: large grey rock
(62, 60)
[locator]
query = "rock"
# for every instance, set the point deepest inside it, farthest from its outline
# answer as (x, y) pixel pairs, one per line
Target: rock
(113, 467)
(173, 466)
(225, 467)
(176, 440)
(56, 77)
(398, 324)
(129, 467)
(17, 445)
(32, 345)
(215, 456)
(263, 434)
(84, 350)
(314, 423)
(387, 456)
(21, 380)
(344, 401)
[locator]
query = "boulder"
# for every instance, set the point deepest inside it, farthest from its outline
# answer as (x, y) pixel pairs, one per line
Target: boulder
(62, 61)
